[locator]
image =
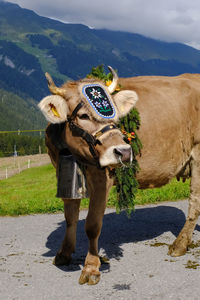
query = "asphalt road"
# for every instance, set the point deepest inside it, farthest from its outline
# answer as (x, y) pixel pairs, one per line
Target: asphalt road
(139, 267)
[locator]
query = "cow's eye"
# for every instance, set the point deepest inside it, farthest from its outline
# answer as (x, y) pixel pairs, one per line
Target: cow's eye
(84, 117)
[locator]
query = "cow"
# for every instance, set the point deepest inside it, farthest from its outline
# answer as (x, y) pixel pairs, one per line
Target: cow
(169, 109)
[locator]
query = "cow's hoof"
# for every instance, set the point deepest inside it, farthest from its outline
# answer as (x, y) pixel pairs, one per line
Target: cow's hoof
(89, 278)
(61, 260)
(177, 250)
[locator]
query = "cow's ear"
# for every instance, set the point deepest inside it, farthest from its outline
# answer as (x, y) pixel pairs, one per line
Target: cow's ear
(125, 101)
(54, 108)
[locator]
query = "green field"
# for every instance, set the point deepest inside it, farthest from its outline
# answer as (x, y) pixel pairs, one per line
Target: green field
(33, 191)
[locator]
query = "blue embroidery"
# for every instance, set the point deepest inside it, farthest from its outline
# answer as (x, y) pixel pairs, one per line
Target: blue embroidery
(100, 101)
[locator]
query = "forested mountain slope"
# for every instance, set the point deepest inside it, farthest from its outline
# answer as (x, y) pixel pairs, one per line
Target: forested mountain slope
(31, 45)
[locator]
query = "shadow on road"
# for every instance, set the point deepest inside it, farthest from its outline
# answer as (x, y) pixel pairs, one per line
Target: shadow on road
(118, 229)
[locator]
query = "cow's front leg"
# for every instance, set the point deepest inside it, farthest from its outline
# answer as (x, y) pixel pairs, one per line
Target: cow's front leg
(99, 183)
(71, 207)
(180, 245)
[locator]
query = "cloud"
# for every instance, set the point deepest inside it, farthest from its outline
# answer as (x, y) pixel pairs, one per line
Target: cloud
(171, 20)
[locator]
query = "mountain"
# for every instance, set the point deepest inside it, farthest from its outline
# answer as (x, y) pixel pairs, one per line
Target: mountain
(17, 113)
(20, 71)
(149, 49)
(31, 45)
(70, 50)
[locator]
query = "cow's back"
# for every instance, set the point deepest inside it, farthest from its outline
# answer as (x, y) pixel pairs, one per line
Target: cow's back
(170, 124)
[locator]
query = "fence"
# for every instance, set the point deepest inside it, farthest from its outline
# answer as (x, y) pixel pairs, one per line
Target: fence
(22, 131)
(20, 150)
(10, 166)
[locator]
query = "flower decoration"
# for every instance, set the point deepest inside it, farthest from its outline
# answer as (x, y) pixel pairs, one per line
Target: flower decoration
(105, 103)
(108, 82)
(99, 99)
(97, 104)
(129, 135)
(95, 93)
(126, 182)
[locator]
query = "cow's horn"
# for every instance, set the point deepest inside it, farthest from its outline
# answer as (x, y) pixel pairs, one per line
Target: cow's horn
(113, 85)
(52, 87)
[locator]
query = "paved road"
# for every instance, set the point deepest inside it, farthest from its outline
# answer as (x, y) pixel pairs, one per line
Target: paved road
(139, 266)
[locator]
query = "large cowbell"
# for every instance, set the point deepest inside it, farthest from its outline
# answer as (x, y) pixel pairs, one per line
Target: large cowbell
(71, 179)
(99, 100)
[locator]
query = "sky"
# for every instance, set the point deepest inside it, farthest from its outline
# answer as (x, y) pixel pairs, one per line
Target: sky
(166, 20)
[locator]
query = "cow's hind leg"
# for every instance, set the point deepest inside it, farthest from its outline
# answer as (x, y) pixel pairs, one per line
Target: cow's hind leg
(180, 245)
(71, 208)
(99, 184)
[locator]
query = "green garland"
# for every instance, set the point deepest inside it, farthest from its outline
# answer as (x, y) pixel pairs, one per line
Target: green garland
(99, 73)
(126, 182)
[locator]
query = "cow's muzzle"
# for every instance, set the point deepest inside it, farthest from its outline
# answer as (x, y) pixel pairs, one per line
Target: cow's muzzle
(124, 154)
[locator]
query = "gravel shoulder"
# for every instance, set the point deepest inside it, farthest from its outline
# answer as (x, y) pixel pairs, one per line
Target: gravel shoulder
(139, 267)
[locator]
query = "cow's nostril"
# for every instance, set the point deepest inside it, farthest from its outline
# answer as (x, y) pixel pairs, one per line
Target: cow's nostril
(118, 151)
(125, 153)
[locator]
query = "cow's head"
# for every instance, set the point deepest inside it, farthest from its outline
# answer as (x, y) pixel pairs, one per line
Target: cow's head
(91, 113)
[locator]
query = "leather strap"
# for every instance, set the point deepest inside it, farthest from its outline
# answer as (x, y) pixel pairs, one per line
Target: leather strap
(92, 140)
(74, 113)
(105, 129)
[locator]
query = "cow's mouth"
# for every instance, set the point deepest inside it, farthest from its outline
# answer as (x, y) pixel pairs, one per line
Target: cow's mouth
(117, 156)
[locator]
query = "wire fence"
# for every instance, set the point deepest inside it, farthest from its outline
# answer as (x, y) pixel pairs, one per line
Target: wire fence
(20, 150)
(22, 131)
(10, 166)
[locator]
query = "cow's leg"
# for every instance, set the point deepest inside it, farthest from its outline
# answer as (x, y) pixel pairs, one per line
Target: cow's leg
(99, 183)
(180, 245)
(71, 207)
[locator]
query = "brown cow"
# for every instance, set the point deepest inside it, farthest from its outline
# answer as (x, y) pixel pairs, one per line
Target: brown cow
(169, 108)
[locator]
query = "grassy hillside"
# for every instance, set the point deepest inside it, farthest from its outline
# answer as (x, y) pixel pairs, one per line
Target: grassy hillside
(34, 190)
(21, 72)
(16, 113)
(149, 49)
(31, 45)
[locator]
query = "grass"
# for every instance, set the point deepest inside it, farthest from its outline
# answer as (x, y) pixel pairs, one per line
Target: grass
(33, 191)
(48, 63)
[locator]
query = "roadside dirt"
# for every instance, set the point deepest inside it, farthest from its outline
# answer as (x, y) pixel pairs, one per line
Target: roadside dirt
(10, 166)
